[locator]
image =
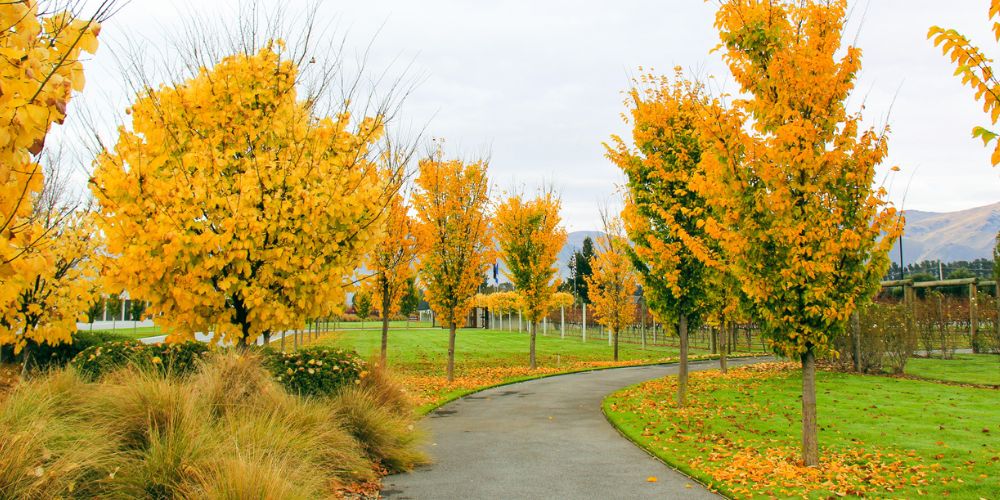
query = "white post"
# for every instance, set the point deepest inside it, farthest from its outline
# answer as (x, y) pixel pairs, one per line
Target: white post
(518, 321)
(562, 322)
(584, 321)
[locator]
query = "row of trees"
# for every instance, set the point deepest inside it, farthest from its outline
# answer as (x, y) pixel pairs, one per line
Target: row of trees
(762, 204)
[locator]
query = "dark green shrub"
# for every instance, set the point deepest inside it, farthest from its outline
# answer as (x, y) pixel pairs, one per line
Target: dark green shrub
(98, 360)
(45, 356)
(174, 359)
(315, 371)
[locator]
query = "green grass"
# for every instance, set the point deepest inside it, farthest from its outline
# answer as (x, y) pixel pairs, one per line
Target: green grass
(426, 350)
(964, 368)
(485, 358)
(137, 333)
(376, 324)
(957, 428)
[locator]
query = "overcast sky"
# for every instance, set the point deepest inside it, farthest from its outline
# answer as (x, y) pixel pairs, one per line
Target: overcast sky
(539, 84)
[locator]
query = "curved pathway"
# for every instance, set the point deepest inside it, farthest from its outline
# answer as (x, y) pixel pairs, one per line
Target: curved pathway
(543, 438)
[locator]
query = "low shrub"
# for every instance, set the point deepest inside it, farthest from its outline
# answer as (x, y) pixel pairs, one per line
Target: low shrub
(45, 356)
(95, 361)
(178, 359)
(887, 339)
(315, 371)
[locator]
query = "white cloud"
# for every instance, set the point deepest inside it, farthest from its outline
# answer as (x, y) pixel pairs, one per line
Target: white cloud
(539, 83)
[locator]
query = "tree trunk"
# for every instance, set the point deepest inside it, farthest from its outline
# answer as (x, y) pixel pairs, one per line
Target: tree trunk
(584, 321)
(810, 439)
(856, 341)
(614, 333)
(385, 324)
(385, 338)
(723, 333)
(714, 336)
(283, 335)
(532, 349)
(682, 373)
(974, 319)
(451, 351)
(267, 337)
(26, 352)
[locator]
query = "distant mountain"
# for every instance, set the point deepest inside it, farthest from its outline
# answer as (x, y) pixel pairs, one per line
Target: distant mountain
(950, 236)
(947, 236)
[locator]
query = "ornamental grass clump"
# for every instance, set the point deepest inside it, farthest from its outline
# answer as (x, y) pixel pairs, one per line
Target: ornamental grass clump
(227, 430)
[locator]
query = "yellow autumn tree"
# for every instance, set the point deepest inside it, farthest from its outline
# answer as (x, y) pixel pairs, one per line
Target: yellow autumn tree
(392, 262)
(976, 71)
(451, 201)
(231, 203)
(806, 228)
(561, 299)
(530, 238)
(614, 281)
(41, 69)
(501, 303)
(58, 295)
(664, 213)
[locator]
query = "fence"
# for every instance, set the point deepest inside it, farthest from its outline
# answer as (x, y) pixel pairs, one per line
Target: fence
(946, 315)
(577, 322)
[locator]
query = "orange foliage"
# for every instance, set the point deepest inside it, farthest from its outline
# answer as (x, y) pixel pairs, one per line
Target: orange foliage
(613, 282)
(530, 239)
(450, 201)
(976, 71)
(748, 471)
(392, 259)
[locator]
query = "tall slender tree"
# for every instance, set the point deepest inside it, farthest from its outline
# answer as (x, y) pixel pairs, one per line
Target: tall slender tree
(580, 269)
(451, 199)
(614, 281)
(530, 237)
(663, 212)
(392, 261)
(795, 171)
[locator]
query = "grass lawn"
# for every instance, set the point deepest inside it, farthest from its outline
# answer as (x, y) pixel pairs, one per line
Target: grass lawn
(879, 436)
(426, 350)
(136, 333)
(484, 358)
(964, 368)
(376, 324)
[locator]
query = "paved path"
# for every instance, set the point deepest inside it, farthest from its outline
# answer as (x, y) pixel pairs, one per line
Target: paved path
(543, 438)
(207, 337)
